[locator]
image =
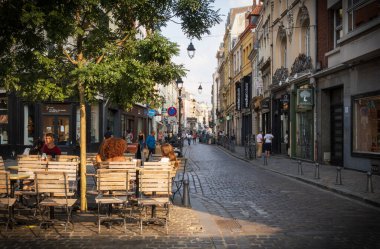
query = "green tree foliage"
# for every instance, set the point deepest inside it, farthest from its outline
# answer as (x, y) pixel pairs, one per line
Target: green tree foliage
(83, 49)
(49, 47)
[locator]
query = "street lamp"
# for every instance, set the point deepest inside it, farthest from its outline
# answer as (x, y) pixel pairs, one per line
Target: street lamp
(200, 88)
(191, 50)
(179, 85)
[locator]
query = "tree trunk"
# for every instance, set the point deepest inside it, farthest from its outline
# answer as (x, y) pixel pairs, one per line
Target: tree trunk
(83, 182)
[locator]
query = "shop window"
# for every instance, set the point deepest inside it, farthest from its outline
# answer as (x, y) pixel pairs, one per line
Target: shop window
(29, 125)
(95, 123)
(366, 124)
(4, 120)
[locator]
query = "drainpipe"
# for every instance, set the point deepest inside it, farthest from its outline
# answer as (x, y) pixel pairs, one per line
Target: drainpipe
(316, 133)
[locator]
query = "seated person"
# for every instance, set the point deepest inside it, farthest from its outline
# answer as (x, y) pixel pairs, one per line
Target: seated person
(49, 148)
(113, 149)
(168, 154)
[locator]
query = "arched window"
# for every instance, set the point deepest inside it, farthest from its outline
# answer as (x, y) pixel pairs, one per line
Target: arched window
(304, 22)
(283, 54)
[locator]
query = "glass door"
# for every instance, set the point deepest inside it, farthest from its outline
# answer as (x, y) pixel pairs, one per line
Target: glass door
(59, 126)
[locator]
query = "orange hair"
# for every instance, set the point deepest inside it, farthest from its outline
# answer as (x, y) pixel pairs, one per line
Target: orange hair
(114, 147)
(167, 150)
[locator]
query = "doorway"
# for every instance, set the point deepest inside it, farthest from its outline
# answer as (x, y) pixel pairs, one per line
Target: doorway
(337, 135)
(59, 126)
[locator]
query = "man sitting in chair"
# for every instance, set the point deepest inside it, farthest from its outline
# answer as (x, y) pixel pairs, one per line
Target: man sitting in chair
(49, 147)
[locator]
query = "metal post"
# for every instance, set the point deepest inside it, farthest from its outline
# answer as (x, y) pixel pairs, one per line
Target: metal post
(369, 182)
(300, 171)
(186, 195)
(316, 175)
(179, 122)
(338, 180)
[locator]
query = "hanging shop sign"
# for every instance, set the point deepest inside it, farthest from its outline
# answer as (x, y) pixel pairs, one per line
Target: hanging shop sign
(304, 99)
(285, 101)
(238, 97)
(247, 91)
(265, 105)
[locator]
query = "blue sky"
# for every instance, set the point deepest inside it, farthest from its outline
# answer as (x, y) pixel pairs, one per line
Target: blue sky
(203, 65)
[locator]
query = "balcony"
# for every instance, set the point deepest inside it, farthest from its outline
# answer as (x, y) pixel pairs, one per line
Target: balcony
(280, 75)
(302, 64)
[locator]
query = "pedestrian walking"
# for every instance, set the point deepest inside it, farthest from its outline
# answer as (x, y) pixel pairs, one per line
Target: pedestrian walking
(267, 145)
(259, 144)
(194, 138)
(189, 138)
(151, 144)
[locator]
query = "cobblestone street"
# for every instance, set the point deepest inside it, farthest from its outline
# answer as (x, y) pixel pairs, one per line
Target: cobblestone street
(234, 204)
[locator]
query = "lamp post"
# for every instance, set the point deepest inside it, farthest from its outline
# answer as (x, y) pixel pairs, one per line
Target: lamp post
(179, 85)
(191, 50)
(200, 88)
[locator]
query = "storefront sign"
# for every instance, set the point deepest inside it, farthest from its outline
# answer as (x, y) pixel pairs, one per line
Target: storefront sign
(305, 99)
(285, 101)
(247, 95)
(265, 105)
(238, 97)
(55, 109)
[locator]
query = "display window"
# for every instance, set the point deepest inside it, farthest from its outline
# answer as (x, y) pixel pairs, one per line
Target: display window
(4, 119)
(366, 124)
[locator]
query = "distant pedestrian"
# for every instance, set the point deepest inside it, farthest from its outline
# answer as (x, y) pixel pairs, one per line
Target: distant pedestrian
(268, 143)
(194, 138)
(151, 144)
(189, 138)
(286, 141)
(259, 143)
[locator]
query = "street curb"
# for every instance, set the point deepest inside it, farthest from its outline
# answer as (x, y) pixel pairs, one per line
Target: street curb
(341, 192)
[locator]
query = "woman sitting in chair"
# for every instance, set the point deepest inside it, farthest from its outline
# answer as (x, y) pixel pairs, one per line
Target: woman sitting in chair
(168, 154)
(113, 150)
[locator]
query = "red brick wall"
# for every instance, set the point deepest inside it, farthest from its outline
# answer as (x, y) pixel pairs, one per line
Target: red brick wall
(324, 29)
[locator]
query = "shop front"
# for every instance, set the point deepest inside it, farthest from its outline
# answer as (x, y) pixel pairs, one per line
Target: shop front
(280, 125)
(304, 119)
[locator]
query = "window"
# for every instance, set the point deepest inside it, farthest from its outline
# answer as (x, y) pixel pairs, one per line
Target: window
(95, 123)
(29, 125)
(3, 119)
(338, 30)
(366, 124)
(283, 52)
(360, 12)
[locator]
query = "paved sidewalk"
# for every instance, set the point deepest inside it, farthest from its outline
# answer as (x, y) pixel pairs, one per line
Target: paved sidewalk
(354, 183)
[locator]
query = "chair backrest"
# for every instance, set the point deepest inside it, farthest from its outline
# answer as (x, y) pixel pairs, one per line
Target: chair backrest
(29, 167)
(2, 167)
(157, 165)
(5, 183)
(155, 182)
(182, 163)
(131, 166)
(131, 155)
(112, 180)
(69, 167)
(155, 157)
(55, 183)
(90, 158)
(31, 157)
(72, 158)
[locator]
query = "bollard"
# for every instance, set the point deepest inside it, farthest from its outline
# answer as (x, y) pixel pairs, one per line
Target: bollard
(338, 180)
(369, 182)
(186, 195)
(316, 174)
(300, 171)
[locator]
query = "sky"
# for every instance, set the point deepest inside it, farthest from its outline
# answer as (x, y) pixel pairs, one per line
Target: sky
(204, 63)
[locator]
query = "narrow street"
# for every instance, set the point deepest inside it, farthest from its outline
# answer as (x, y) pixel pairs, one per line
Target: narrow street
(253, 207)
(234, 204)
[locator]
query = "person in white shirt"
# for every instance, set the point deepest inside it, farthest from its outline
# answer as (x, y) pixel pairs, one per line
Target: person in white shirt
(259, 144)
(268, 143)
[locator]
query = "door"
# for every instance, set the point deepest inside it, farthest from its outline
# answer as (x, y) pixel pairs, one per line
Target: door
(59, 126)
(337, 135)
